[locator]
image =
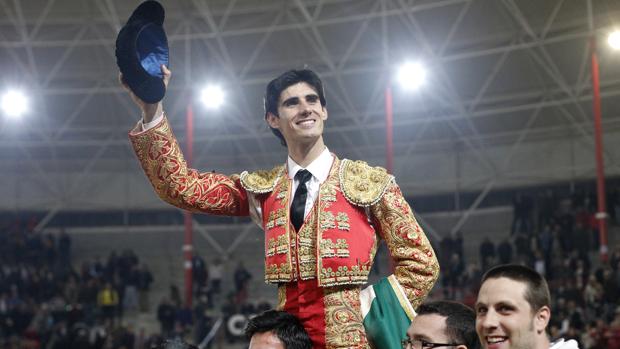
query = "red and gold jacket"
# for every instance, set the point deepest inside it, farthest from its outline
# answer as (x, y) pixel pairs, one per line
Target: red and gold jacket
(335, 247)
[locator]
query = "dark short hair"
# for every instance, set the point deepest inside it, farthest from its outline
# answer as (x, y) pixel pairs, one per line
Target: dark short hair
(173, 344)
(284, 325)
(460, 321)
(282, 82)
(537, 290)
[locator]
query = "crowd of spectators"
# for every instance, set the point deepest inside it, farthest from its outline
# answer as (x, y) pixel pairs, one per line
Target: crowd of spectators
(559, 238)
(46, 303)
(212, 301)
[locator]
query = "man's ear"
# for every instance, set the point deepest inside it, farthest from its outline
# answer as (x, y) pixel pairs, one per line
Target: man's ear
(272, 120)
(324, 113)
(541, 320)
(461, 347)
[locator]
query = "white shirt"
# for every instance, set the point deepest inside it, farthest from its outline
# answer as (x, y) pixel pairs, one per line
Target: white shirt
(151, 124)
(562, 344)
(216, 271)
(319, 168)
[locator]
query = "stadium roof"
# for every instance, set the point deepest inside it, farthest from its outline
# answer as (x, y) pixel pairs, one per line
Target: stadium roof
(507, 81)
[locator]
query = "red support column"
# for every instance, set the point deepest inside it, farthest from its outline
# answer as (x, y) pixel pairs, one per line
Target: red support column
(601, 215)
(188, 241)
(389, 129)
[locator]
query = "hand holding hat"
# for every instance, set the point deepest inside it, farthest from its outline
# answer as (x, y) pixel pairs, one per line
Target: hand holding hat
(149, 110)
(142, 54)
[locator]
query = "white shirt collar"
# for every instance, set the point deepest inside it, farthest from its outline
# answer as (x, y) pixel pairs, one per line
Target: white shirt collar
(319, 167)
(562, 344)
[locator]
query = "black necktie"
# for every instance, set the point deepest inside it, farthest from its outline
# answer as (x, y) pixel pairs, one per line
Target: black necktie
(299, 200)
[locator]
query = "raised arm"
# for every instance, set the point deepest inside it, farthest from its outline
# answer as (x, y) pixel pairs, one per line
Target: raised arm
(164, 165)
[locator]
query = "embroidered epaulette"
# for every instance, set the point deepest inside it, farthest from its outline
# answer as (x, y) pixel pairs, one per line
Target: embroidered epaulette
(361, 184)
(260, 182)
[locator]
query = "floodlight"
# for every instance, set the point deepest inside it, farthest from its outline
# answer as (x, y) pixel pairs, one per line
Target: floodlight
(411, 75)
(14, 103)
(212, 96)
(614, 40)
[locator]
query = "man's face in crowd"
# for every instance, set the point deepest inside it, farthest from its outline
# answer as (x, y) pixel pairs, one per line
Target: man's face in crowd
(300, 114)
(505, 319)
(266, 340)
(429, 328)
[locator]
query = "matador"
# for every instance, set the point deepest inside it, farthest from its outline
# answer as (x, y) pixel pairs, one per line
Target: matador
(322, 216)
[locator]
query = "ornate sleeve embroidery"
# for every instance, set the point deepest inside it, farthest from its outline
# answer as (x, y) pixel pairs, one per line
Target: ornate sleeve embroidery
(166, 169)
(416, 266)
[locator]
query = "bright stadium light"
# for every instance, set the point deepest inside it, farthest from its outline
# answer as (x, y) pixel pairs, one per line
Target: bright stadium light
(212, 96)
(411, 75)
(14, 103)
(614, 40)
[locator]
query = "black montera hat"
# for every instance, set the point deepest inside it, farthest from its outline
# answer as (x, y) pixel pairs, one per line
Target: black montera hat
(141, 49)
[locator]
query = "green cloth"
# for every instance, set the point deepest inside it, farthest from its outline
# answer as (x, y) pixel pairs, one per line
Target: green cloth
(387, 313)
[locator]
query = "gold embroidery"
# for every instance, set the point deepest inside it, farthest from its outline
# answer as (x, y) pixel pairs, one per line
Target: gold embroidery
(306, 255)
(416, 264)
(343, 320)
(293, 252)
(307, 247)
(328, 220)
(305, 241)
(373, 249)
(328, 193)
(284, 187)
(270, 220)
(271, 247)
(281, 296)
(281, 218)
(272, 270)
(307, 270)
(278, 273)
(282, 245)
(343, 221)
(338, 249)
(361, 184)
(285, 268)
(164, 165)
(306, 237)
(356, 275)
(262, 181)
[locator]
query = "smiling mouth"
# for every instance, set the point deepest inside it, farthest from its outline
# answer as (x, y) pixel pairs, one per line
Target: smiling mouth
(305, 122)
(494, 340)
